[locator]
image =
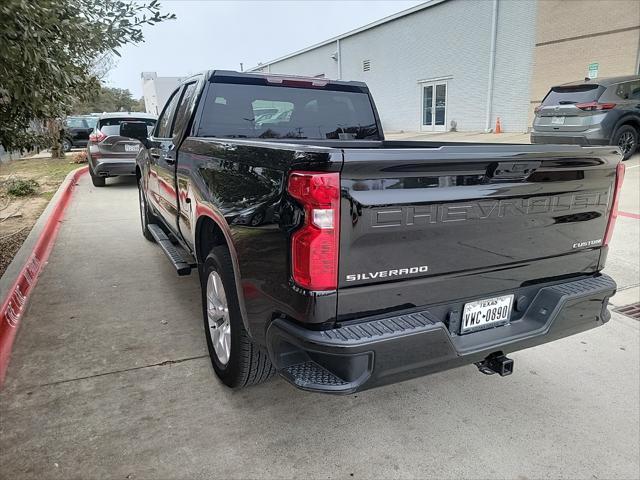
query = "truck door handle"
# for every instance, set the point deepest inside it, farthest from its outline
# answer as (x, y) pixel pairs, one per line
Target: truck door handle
(170, 160)
(154, 154)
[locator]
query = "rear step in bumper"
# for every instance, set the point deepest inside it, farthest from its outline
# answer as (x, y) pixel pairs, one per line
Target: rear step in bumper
(379, 351)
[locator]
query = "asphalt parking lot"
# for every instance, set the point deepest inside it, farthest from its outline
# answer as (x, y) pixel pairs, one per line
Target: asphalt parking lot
(110, 378)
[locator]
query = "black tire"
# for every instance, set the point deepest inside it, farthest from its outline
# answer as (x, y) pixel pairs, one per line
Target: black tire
(247, 364)
(67, 145)
(626, 137)
(146, 217)
(97, 181)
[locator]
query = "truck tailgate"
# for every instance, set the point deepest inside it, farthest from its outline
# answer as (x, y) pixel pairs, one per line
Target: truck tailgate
(428, 225)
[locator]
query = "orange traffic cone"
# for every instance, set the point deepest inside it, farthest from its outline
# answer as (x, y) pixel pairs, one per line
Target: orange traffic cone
(498, 128)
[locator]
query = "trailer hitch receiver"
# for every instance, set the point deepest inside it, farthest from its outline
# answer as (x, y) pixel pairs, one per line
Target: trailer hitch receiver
(496, 363)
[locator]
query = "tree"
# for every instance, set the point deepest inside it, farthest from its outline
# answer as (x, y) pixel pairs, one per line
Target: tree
(48, 53)
(141, 106)
(108, 100)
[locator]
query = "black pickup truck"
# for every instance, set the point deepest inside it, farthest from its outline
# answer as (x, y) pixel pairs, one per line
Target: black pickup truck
(344, 261)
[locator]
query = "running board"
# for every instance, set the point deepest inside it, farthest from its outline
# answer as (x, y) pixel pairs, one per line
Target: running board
(182, 261)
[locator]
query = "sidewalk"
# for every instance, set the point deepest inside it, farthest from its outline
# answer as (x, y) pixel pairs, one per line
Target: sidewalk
(460, 137)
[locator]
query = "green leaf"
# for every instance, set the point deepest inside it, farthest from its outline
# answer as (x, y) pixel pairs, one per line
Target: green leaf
(49, 50)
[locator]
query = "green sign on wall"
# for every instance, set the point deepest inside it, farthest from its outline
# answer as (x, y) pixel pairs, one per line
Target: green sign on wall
(593, 70)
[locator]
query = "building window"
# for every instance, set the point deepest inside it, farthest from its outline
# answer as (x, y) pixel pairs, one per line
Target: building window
(366, 65)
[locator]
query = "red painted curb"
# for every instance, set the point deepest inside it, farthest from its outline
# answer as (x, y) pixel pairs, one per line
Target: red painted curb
(630, 215)
(14, 304)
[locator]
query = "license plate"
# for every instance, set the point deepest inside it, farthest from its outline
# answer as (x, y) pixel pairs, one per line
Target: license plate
(131, 148)
(557, 120)
(489, 312)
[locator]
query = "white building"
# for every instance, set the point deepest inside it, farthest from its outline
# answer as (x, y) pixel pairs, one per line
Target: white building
(440, 62)
(156, 90)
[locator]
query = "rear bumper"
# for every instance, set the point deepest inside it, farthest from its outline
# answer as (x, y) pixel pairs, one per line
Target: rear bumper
(108, 167)
(381, 350)
(588, 138)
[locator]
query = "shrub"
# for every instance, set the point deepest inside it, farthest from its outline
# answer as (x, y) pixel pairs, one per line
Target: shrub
(22, 188)
(80, 157)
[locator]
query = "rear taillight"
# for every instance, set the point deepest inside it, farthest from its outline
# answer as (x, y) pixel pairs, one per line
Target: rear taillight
(97, 137)
(591, 106)
(614, 204)
(314, 247)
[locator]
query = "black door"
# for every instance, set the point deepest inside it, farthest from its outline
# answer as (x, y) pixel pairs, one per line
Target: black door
(163, 160)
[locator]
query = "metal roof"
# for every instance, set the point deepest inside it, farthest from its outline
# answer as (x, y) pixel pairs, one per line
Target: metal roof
(350, 33)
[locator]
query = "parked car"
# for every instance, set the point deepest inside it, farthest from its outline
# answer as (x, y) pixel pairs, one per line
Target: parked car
(110, 154)
(605, 111)
(375, 261)
(77, 130)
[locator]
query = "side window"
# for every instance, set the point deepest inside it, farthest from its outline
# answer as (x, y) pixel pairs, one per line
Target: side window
(634, 90)
(163, 130)
(616, 92)
(74, 123)
(184, 110)
(622, 91)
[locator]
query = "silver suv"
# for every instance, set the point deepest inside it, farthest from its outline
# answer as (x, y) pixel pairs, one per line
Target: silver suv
(110, 154)
(602, 111)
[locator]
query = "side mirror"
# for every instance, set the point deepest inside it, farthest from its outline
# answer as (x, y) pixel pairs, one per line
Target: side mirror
(137, 130)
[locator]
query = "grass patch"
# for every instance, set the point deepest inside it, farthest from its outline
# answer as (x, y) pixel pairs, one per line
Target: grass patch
(48, 195)
(22, 188)
(26, 187)
(55, 169)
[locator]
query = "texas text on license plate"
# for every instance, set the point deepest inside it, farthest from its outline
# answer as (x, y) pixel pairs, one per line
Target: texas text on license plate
(489, 312)
(131, 148)
(557, 120)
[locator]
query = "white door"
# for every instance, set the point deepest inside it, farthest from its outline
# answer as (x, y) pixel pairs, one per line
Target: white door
(434, 107)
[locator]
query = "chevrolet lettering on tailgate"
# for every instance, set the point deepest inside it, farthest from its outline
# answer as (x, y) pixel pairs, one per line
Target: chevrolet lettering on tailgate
(422, 215)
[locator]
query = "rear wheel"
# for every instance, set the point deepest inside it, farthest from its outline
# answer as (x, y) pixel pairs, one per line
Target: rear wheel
(66, 145)
(626, 137)
(97, 181)
(146, 216)
(257, 219)
(237, 361)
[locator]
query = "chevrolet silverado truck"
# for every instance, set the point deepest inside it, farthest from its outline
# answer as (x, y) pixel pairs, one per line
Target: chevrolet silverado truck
(343, 261)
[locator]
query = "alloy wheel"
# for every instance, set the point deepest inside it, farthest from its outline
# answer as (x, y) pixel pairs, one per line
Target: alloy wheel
(626, 142)
(218, 318)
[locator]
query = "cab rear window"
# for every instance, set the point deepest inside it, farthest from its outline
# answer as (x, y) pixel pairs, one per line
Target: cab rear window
(274, 112)
(568, 95)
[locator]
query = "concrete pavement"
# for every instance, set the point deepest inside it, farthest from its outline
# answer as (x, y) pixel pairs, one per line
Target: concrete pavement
(110, 379)
(623, 263)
